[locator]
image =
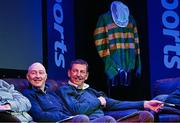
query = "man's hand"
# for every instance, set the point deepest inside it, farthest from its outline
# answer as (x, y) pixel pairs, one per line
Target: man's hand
(5, 107)
(154, 105)
(102, 100)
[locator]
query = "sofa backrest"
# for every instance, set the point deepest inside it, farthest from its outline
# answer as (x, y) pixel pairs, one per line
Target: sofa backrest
(21, 84)
(166, 86)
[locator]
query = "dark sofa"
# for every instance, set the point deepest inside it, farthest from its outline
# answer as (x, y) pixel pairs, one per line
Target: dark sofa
(164, 86)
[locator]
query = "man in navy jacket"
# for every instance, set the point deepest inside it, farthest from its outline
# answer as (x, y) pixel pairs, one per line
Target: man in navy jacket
(81, 99)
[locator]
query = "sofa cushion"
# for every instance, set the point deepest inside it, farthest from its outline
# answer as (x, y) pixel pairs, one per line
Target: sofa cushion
(169, 110)
(169, 118)
(162, 88)
(161, 97)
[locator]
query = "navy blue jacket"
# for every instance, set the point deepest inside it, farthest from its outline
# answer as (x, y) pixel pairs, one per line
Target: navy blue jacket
(86, 102)
(45, 106)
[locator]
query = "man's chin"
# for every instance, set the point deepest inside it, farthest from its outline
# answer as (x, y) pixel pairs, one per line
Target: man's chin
(78, 83)
(37, 85)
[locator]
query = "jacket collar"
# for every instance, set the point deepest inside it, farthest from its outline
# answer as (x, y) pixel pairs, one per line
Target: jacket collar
(39, 90)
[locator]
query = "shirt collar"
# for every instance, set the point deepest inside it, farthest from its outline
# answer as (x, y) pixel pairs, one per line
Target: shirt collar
(85, 86)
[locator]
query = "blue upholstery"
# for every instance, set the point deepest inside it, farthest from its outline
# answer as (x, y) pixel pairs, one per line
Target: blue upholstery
(165, 86)
(161, 89)
(169, 118)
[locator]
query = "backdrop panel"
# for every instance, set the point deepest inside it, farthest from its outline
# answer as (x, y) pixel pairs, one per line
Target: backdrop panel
(164, 39)
(60, 29)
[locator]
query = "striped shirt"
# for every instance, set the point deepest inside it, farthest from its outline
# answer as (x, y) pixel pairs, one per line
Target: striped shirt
(117, 46)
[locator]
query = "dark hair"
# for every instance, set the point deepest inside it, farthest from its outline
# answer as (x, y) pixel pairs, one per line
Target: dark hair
(79, 61)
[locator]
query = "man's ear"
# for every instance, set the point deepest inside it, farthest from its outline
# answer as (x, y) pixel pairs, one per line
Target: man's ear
(68, 73)
(46, 76)
(27, 76)
(87, 75)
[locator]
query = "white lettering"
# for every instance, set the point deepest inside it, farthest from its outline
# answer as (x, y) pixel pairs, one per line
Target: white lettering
(59, 45)
(170, 20)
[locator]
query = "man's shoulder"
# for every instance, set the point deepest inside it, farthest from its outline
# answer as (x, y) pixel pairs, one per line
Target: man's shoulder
(28, 91)
(65, 86)
(66, 89)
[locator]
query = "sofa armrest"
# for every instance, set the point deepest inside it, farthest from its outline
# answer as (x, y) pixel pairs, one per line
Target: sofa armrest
(161, 97)
(166, 86)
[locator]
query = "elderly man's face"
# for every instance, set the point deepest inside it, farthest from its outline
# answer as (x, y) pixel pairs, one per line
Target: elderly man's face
(78, 74)
(37, 75)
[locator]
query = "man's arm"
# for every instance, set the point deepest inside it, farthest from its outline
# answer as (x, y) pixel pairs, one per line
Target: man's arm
(112, 104)
(18, 102)
(154, 105)
(79, 102)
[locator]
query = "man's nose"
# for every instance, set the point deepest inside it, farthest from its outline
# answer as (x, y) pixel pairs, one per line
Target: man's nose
(37, 75)
(78, 73)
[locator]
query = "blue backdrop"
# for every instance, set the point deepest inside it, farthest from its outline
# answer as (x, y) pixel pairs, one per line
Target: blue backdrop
(60, 27)
(164, 39)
